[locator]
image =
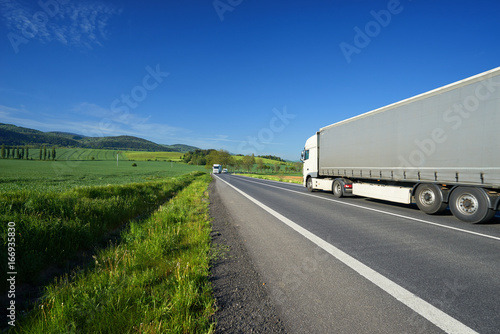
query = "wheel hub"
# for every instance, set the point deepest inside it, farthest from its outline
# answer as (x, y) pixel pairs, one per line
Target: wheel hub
(467, 204)
(427, 197)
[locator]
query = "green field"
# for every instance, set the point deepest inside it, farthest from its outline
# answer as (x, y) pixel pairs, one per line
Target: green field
(153, 278)
(160, 156)
(65, 153)
(63, 175)
(83, 154)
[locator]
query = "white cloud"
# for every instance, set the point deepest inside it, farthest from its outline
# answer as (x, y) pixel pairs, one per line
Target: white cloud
(80, 24)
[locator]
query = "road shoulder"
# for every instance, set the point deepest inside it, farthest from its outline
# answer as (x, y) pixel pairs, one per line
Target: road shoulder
(243, 303)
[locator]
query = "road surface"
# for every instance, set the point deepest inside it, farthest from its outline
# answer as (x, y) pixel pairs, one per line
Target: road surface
(355, 265)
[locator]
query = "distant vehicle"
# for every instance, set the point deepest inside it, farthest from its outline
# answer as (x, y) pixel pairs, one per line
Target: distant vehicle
(216, 169)
(436, 149)
(224, 170)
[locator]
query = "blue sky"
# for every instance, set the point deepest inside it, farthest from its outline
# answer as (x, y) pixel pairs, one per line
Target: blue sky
(245, 76)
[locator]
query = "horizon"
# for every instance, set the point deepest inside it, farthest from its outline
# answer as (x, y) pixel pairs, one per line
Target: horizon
(246, 77)
(161, 144)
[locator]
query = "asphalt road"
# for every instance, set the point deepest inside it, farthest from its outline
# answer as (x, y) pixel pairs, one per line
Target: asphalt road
(355, 265)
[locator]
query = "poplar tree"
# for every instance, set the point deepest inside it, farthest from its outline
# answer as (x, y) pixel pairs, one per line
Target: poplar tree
(27, 151)
(44, 152)
(3, 151)
(53, 153)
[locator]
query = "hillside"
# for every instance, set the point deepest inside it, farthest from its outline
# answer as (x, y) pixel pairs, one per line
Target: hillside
(13, 135)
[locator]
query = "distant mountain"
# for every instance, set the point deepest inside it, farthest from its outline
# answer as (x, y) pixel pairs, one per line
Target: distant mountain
(12, 135)
(180, 148)
(67, 135)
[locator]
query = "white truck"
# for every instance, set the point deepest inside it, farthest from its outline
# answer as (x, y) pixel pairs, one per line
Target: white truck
(437, 149)
(216, 169)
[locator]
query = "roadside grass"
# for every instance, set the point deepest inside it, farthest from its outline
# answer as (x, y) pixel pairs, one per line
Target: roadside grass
(52, 226)
(281, 178)
(155, 280)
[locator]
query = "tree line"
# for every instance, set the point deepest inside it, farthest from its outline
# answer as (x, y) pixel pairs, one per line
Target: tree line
(22, 152)
(224, 158)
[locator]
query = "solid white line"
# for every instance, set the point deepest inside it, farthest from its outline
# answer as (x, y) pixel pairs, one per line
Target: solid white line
(420, 306)
(383, 212)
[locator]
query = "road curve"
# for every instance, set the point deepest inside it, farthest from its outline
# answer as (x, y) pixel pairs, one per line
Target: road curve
(358, 265)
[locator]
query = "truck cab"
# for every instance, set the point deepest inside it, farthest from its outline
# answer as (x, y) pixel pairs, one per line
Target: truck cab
(309, 157)
(216, 169)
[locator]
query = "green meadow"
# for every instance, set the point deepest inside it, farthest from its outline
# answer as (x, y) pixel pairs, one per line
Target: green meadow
(65, 174)
(152, 278)
(157, 156)
(83, 154)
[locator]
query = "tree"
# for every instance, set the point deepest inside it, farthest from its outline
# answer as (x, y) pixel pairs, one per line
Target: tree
(17, 152)
(248, 162)
(260, 164)
(276, 168)
(41, 153)
(44, 152)
(218, 157)
(27, 152)
(53, 153)
(232, 163)
(3, 151)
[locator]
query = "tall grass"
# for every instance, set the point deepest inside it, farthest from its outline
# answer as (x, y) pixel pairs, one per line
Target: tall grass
(154, 281)
(51, 227)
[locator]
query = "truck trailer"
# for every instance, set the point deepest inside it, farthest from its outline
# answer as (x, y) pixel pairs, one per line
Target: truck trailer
(438, 149)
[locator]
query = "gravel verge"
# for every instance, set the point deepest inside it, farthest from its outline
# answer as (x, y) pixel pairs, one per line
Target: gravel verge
(243, 303)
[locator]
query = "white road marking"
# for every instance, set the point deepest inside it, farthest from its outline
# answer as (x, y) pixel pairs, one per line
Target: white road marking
(380, 211)
(420, 306)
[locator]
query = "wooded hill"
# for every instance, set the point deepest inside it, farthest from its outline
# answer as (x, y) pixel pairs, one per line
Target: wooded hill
(13, 135)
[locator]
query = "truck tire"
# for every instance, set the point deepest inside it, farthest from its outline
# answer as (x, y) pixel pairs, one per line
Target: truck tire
(338, 188)
(429, 198)
(471, 205)
(309, 184)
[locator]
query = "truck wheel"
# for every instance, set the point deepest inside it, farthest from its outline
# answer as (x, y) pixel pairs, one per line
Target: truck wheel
(309, 184)
(338, 188)
(429, 198)
(471, 205)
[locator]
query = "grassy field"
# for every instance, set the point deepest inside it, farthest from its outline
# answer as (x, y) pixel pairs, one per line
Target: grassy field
(154, 281)
(64, 175)
(73, 154)
(83, 154)
(160, 156)
(151, 279)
